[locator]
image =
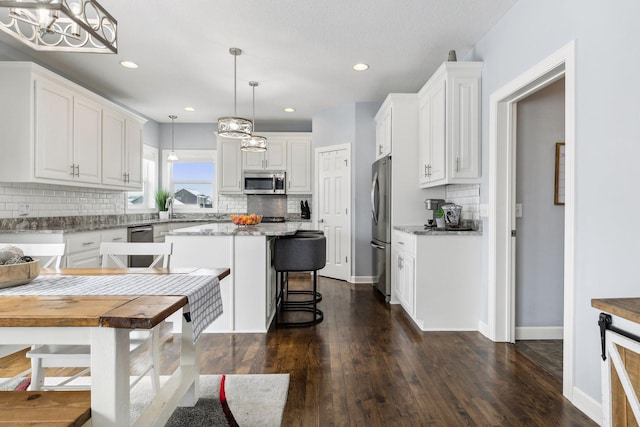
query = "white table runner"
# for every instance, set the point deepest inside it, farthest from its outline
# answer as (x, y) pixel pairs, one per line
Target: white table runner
(202, 292)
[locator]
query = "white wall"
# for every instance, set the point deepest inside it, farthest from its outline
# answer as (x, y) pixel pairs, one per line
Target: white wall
(540, 242)
(607, 147)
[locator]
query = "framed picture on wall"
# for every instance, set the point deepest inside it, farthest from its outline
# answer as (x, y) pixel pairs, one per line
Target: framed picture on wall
(558, 196)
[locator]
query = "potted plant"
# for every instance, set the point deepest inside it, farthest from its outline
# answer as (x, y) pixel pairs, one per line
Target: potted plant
(161, 202)
(440, 219)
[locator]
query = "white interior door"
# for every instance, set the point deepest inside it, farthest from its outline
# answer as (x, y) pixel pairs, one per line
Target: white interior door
(333, 209)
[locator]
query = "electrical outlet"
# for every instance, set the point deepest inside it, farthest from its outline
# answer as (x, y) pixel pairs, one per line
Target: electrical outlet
(518, 210)
(23, 209)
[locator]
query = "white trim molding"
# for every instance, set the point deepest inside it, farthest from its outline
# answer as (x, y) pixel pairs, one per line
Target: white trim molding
(539, 332)
(501, 221)
(362, 279)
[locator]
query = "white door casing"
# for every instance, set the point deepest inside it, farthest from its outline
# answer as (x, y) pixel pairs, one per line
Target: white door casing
(333, 207)
(501, 221)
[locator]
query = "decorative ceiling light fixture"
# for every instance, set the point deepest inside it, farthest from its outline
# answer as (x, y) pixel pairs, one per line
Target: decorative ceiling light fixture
(173, 157)
(255, 143)
(234, 127)
(60, 25)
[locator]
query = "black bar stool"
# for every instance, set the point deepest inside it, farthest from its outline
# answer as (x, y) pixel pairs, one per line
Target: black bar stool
(300, 253)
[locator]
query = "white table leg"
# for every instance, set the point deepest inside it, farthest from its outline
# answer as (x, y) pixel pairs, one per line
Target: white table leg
(110, 377)
(190, 358)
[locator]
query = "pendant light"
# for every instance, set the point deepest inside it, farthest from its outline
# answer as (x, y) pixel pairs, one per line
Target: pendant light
(255, 143)
(234, 127)
(172, 155)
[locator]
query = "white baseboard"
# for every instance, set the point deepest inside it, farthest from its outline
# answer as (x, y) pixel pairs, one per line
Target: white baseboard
(587, 404)
(539, 332)
(483, 328)
(362, 279)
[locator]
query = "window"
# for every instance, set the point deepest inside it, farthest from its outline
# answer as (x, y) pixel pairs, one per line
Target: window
(145, 199)
(191, 180)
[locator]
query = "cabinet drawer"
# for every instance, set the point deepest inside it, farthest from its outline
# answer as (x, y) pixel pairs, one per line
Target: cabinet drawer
(405, 241)
(117, 235)
(83, 242)
(86, 259)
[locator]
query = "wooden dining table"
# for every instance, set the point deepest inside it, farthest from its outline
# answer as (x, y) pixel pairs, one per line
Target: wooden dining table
(104, 322)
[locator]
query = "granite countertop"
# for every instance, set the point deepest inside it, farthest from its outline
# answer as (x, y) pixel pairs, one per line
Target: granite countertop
(106, 226)
(421, 230)
(230, 229)
(76, 224)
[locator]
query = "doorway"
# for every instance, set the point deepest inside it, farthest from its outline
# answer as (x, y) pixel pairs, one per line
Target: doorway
(333, 209)
(539, 225)
(502, 200)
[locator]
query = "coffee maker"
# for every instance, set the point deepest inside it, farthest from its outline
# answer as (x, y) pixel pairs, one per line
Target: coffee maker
(432, 205)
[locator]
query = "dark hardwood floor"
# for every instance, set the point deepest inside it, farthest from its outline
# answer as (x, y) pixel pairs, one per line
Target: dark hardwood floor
(547, 354)
(367, 364)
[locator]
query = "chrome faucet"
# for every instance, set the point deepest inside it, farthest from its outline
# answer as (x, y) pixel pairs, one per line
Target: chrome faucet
(168, 205)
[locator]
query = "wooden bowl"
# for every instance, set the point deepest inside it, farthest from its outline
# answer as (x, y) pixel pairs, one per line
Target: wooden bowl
(18, 274)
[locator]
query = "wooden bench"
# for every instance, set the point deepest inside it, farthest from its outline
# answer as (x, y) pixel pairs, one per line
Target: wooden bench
(50, 408)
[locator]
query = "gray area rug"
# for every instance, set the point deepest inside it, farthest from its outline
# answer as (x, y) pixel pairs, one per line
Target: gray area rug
(254, 400)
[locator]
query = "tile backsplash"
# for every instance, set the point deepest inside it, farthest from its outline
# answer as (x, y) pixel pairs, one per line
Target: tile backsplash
(47, 200)
(19, 200)
(467, 196)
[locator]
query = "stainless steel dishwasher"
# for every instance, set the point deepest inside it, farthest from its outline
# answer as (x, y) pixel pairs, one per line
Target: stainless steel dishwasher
(140, 234)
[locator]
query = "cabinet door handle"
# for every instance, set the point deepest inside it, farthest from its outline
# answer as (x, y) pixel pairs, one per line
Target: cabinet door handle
(73, 169)
(457, 164)
(266, 163)
(124, 177)
(380, 149)
(425, 171)
(78, 171)
(401, 243)
(87, 243)
(115, 239)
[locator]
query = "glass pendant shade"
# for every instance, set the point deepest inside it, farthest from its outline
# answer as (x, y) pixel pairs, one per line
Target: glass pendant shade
(234, 126)
(173, 157)
(254, 144)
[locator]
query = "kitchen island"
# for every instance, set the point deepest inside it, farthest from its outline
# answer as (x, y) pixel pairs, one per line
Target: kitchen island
(249, 293)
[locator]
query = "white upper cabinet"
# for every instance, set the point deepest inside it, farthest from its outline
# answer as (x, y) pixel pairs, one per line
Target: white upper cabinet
(449, 125)
(121, 150)
(275, 158)
(286, 151)
(87, 147)
(67, 134)
(383, 131)
(299, 165)
(229, 166)
(113, 136)
(52, 131)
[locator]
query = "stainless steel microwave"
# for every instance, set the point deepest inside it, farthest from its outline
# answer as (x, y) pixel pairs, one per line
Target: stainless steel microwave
(264, 182)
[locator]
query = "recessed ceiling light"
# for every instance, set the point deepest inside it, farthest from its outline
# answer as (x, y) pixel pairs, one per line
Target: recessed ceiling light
(289, 110)
(128, 64)
(189, 109)
(360, 67)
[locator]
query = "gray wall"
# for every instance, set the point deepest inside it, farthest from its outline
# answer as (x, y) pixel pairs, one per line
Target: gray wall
(607, 134)
(353, 123)
(540, 242)
(364, 150)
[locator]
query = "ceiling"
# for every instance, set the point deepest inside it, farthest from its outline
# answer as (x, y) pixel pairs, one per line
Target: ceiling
(300, 51)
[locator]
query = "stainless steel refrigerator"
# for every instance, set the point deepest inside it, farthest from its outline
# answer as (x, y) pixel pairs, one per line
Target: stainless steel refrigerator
(381, 224)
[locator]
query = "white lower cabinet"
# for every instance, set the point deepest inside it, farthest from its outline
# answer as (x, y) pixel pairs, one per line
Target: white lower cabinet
(82, 250)
(248, 293)
(436, 279)
(403, 271)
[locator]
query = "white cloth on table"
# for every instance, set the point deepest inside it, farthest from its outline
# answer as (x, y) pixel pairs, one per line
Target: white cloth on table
(202, 292)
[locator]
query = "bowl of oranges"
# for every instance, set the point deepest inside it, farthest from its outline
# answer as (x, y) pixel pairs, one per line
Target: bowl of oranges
(246, 220)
